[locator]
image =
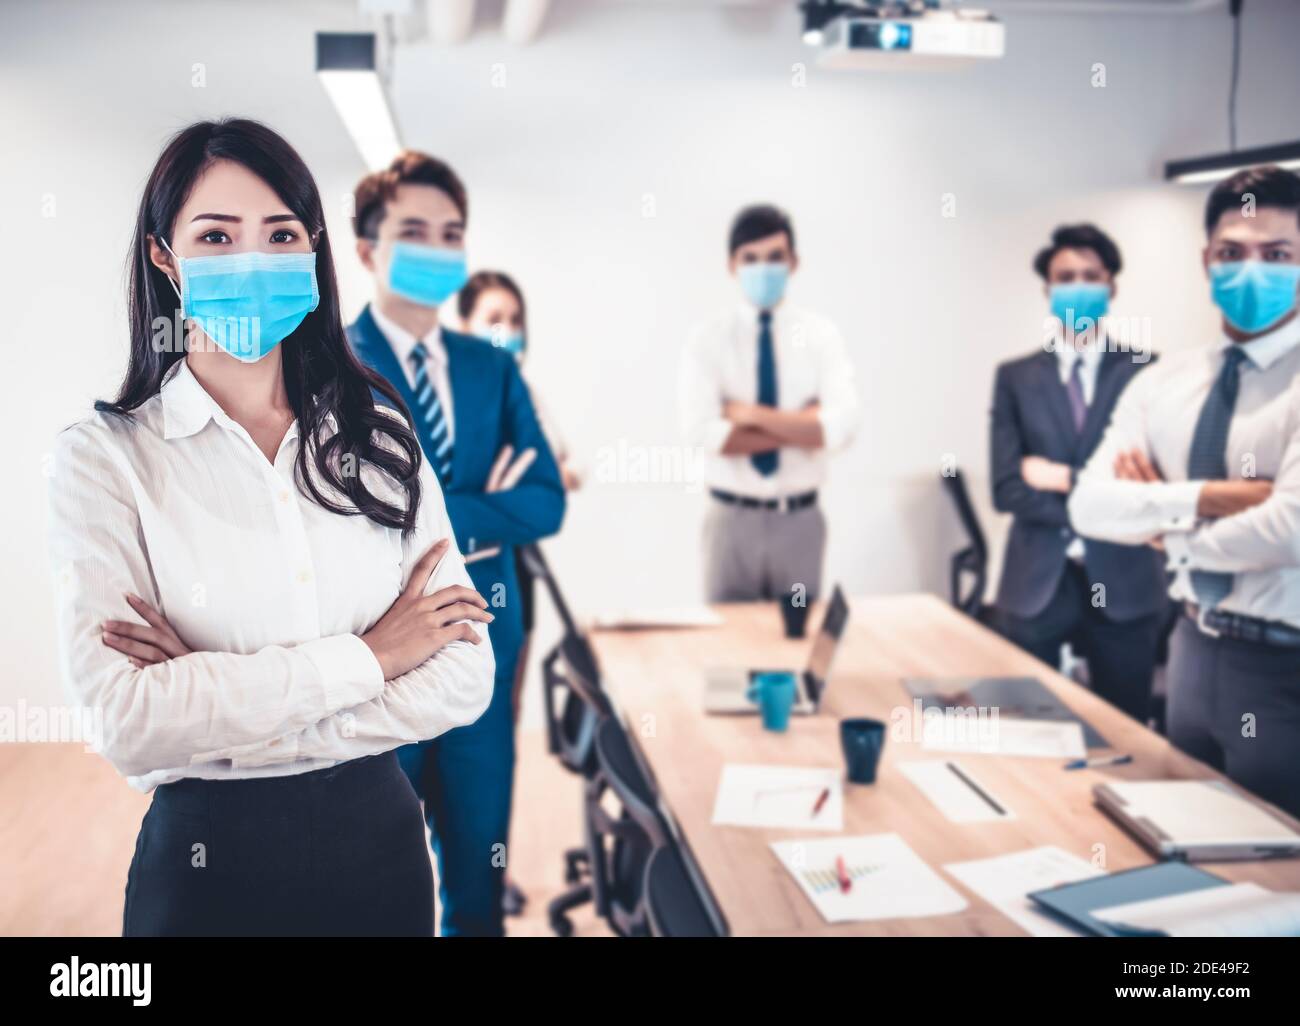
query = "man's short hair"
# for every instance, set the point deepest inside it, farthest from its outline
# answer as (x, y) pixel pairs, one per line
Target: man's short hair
(1268, 186)
(1079, 236)
(758, 222)
(374, 192)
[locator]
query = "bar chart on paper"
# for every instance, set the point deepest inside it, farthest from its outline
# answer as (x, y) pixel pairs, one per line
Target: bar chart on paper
(855, 879)
(821, 880)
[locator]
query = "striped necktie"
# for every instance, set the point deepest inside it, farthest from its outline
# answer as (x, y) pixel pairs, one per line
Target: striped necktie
(428, 408)
(1208, 460)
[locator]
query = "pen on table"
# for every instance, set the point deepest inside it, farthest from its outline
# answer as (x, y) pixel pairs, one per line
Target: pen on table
(846, 881)
(1103, 760)
(821, 800)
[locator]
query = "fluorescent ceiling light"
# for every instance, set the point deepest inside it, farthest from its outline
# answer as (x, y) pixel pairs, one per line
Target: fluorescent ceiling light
(1199, 170)
(345, 63)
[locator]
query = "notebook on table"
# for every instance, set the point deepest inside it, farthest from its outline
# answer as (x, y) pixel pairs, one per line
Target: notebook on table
(1196, 820)
(1017, 698)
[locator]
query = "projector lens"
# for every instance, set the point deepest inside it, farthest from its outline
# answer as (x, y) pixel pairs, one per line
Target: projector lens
(880, 35)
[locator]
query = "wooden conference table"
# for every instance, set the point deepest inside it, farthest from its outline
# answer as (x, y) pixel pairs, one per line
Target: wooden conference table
(657, 680)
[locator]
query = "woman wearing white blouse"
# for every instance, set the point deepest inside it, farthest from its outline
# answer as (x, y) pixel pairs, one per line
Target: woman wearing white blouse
(258, 585)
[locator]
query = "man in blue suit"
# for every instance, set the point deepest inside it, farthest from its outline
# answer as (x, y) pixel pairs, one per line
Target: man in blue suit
(480, 434)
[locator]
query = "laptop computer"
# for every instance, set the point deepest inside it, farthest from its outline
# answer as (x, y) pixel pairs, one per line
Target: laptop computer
(726, 690)
(1196, 820)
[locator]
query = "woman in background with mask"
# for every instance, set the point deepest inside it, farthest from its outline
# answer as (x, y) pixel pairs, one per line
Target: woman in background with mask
(257, 582)
(491, 307)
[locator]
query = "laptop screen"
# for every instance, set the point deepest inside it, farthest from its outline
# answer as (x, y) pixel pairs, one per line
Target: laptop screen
(825, 645)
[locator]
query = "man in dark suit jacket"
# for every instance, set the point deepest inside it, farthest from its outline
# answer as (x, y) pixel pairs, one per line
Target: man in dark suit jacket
(1049, 412)
(479, 432)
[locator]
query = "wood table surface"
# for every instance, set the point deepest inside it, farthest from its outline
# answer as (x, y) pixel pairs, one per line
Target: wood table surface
(657, 678)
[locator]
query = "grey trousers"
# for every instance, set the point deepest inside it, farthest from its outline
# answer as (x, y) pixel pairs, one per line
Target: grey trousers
(1236, 706)
(752, 554)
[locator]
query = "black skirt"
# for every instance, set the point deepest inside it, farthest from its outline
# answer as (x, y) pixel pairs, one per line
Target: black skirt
(334, 852)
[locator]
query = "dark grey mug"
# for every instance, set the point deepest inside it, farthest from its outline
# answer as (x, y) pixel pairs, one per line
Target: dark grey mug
(862, 741)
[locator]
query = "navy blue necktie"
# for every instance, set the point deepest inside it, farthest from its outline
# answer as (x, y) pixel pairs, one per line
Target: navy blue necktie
(766, 462)
(428, 408)
(1208, 460)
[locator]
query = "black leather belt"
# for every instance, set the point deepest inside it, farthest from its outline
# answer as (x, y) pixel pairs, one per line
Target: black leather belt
(788, 504)
(1244, 628)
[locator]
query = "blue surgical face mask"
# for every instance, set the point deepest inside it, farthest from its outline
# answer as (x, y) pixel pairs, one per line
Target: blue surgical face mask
(426, 274)
(512, 343)
(247, 303)
(764, 283)
(1252, 294)
(1080, 305)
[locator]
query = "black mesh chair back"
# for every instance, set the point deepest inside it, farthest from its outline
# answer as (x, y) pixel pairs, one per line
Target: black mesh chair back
(968, 571)
(674, 905)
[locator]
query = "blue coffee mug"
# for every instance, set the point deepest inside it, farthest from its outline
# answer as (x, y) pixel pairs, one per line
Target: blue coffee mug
(774, 692)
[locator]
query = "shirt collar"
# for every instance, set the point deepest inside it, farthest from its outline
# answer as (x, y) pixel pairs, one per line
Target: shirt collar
(1089, 357)
(1266, 350)
(403, 341)
(748, 313)
(187, 406)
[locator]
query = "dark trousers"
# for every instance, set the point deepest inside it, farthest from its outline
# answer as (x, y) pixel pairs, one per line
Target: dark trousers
(1121, 655)
(334, 852)
(466, 778)
(1236, 706)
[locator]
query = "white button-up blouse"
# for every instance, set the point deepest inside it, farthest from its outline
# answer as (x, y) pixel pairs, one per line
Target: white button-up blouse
(272, 591)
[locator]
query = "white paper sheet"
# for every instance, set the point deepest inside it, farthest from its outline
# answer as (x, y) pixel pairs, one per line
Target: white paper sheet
(1238, 910)
(1004, 736)
(889, 880)
(779, 796)
(956, 791)
(658, 618)
(1005, 882)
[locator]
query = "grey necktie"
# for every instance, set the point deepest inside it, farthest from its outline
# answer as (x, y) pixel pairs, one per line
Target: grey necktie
(1208, 460)
(1074, 389)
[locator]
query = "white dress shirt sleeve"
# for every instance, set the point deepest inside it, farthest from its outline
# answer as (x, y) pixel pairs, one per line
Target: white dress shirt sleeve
(452, 688)
(1107, 508)
(700, 393)
(1263, 537)
(837, 392)
(177, 712)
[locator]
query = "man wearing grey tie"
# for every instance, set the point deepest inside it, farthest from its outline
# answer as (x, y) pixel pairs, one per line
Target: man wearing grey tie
(1049, 411)
(767, 393)
(1202, 461)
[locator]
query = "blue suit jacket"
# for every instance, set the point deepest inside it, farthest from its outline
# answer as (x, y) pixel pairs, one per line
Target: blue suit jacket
(492, 408)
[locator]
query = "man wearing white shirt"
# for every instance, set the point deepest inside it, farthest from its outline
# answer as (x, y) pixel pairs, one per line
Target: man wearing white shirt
(1202, 459)
(1049, 411)
(767, 391)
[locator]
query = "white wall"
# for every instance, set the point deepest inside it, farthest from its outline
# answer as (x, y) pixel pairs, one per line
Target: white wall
(694, 106)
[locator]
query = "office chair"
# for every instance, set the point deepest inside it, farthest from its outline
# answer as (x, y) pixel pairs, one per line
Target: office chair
(673, 903)
(973, 559)
(575, 705)
(644, 879)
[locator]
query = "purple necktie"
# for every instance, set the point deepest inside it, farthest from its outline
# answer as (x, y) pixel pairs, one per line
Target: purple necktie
(1078, 406)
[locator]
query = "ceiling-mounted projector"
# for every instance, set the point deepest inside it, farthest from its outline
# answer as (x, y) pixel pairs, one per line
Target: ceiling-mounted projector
(926, 38)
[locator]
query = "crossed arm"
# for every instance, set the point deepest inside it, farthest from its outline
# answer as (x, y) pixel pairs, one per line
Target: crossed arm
(1230, 525)
(756, 428)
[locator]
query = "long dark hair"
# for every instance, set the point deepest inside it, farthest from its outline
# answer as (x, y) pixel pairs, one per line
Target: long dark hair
(322, 376)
